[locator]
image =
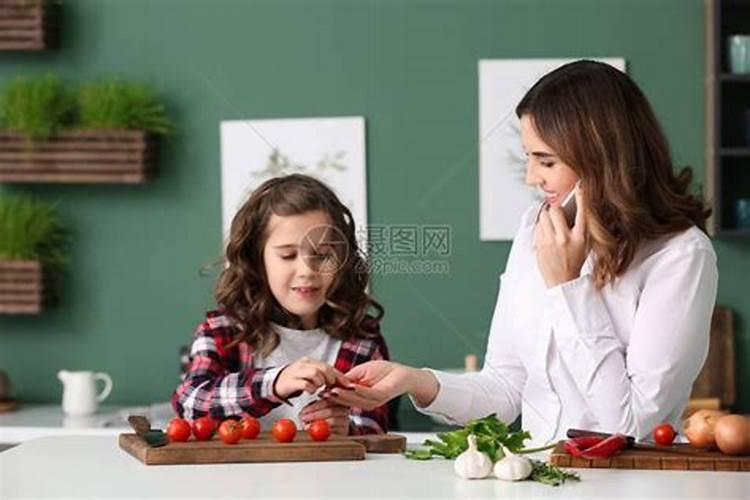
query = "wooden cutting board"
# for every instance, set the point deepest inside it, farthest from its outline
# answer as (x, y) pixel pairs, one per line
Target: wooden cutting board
(685, 457)
(262, 449)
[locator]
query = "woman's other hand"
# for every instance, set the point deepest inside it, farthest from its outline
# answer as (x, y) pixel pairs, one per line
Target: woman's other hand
(336, 415)
(561, 251)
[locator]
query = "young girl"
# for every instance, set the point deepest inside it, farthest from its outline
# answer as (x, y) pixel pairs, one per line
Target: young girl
(603, 325)
(293, 315)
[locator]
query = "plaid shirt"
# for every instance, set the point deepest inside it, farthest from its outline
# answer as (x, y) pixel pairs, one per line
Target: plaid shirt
(222, 382)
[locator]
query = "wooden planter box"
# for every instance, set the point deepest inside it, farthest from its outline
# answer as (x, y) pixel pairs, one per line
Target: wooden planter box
(23, 287)
(28, 24)
(85, 156)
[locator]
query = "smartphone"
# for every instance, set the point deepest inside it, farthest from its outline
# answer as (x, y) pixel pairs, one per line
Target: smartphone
(568, 207)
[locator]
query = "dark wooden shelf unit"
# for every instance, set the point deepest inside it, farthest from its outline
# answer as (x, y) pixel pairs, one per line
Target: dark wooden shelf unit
(727, 117)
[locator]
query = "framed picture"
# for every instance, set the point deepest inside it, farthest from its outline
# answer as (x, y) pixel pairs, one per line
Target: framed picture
(329, 149)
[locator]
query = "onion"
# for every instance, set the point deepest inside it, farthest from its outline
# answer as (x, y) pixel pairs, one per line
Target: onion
(733, 434)
(699, 428)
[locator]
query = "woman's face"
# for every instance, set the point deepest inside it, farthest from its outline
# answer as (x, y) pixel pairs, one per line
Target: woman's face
(544, 168)
(297, 258)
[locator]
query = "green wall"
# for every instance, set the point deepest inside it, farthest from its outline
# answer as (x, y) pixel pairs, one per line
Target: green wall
(134, 291)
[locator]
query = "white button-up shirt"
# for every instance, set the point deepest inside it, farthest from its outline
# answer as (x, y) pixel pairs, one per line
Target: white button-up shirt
(618, 359)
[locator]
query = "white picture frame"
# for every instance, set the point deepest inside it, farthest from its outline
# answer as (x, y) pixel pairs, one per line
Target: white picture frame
(331, 149)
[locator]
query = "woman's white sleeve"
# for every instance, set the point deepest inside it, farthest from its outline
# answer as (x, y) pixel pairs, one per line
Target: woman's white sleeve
(495, 389)
(630, 388)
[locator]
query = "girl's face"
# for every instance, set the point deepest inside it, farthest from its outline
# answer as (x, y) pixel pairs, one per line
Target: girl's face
(544, 168)
(297, 249)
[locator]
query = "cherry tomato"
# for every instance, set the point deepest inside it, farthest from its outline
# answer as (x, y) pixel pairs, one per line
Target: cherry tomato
(284, 430)
(204, 428)
(319, 430)
(664, 434)
(178, 429)
(250, 427)
(230, 431)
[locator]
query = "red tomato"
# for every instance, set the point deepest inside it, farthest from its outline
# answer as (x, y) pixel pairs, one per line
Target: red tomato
(178, 429)
(204, 428)
(284, 430)
(664, 434)
(230, 431)
(319, 430)
(250, 427)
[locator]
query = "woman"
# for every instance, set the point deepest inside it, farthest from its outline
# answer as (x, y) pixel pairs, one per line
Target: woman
(602, 325)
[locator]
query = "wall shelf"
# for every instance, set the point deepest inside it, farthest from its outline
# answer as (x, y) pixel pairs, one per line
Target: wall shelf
(24, 287)
(80, 157)
(29, 25)
(735, 152)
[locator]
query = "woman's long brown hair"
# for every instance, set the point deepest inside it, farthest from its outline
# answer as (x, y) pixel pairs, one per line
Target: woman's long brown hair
(599, 123)
(242, 290)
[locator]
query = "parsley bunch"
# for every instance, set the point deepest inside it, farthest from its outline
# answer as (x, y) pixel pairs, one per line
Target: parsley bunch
(550, 474)
(490, 432)
(491, 435)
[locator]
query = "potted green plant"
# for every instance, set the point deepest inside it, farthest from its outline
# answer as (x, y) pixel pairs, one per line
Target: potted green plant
(105, 132)
(33, 251)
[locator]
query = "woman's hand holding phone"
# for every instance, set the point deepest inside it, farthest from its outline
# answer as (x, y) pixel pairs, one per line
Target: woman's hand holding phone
(561, 249)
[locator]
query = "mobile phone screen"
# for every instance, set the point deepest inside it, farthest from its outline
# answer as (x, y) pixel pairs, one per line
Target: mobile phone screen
(569, 208)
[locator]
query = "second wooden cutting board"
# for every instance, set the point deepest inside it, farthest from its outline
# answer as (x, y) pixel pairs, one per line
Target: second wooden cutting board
(262, 449)
(684, 457)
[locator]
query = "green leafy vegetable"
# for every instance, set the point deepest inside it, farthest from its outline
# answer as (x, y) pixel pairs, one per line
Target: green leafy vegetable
(491, 435)
(551, 474)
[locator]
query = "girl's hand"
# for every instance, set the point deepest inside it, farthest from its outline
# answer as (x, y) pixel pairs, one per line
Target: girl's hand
(336, 415)
(307, 375)
(377, 382)
(561, 251)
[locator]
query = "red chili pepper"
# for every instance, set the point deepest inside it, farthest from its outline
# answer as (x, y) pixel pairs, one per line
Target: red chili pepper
(595, 446)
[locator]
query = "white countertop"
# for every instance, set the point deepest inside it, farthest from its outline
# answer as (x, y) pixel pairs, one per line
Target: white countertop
(32, 421)
(95, 467)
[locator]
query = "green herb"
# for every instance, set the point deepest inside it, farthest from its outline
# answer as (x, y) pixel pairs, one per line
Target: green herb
(30, 229)
(117, 105)
(37, 106)
(551, 474)
(491, 435)
(490, 432)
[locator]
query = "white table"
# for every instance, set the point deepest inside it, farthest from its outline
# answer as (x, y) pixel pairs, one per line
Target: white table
(35, 420)
(32, 421)
(94, 467)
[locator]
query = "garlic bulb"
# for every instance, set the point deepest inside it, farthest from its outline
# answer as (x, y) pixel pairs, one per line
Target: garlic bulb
(512, 467)
(472, 464)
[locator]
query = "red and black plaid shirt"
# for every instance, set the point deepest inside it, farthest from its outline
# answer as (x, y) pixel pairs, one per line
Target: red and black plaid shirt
(222, 382)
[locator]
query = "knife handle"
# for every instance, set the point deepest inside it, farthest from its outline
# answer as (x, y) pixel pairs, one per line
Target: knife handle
(574, 433)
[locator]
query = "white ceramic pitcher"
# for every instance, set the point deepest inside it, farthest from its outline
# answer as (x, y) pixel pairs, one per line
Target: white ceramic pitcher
(79, 391)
